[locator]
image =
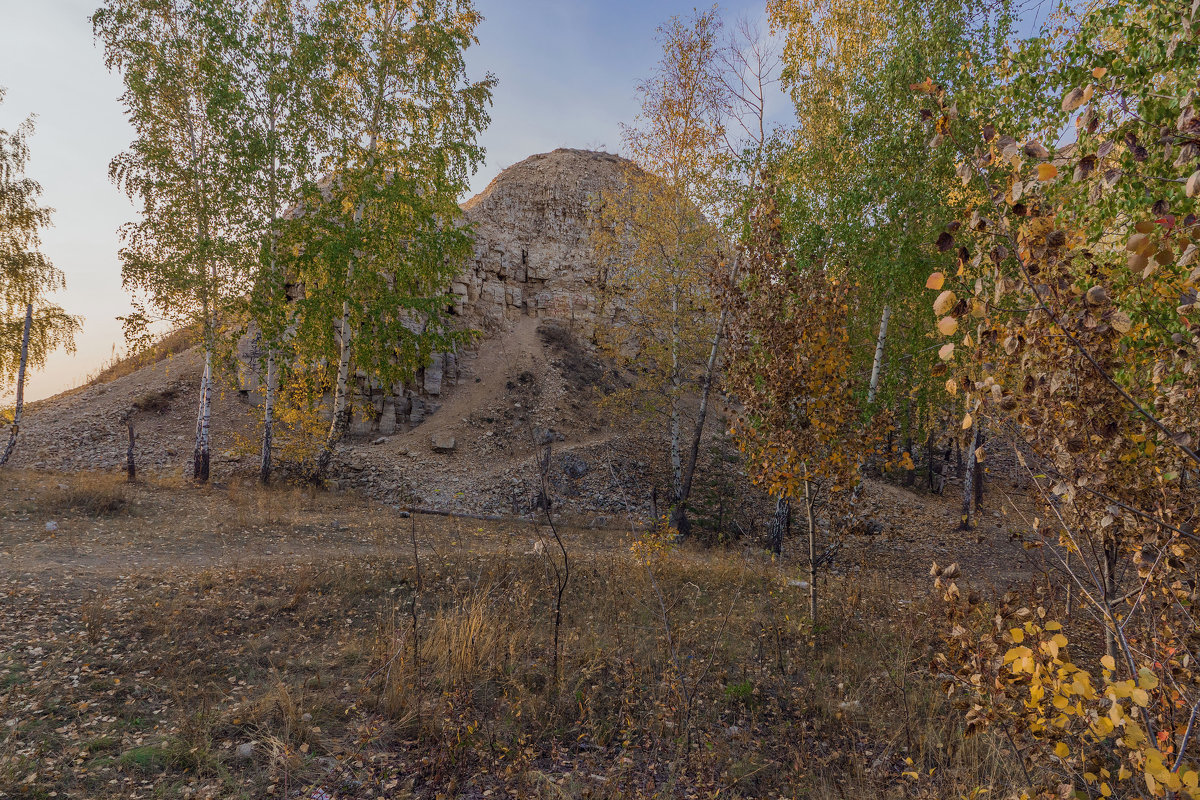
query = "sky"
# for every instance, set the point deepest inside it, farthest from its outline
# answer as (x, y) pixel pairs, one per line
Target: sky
(567, 70)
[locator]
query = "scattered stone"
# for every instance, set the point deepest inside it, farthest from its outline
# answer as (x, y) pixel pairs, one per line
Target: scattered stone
(575, 467)
(245, 751)
(442, 443)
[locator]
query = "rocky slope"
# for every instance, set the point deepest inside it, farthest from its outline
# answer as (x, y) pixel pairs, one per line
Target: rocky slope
(467, 432)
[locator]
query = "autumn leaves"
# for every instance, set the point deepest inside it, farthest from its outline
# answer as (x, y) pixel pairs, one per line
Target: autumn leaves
(1069, 315)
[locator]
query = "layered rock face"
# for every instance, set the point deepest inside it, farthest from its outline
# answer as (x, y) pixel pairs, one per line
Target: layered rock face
(533, 258)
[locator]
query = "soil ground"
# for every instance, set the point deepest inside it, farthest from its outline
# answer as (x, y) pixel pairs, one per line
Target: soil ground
(160, 640)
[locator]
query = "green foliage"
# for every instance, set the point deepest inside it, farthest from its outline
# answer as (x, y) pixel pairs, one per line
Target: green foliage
(187, 258)
(378, 240)
(26, 275)
(861, 191)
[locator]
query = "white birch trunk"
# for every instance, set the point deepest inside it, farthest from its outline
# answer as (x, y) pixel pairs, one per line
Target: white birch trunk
(16, 423)
(676, 399)
(341, 395)
(201, 456)
(872, 390)
(268, 418)
(879, 344)
(264, 467)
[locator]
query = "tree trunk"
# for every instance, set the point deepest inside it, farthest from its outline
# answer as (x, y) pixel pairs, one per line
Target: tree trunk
(676, 400)
(929, 456)
(781, 524)
(968, 496)
(16, 423)
(879, 344)
(910, 473)
(201, 455)
(341, 395)
(910, 423)
(809, 500)
(264, 473)
(1109, 575)
(872, 389)
(676, 459)
(130, 466)
(679, 519)
(980, 438)
(264, 469)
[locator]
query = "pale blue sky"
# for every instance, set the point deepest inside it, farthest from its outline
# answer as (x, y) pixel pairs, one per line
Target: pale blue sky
(567, 71)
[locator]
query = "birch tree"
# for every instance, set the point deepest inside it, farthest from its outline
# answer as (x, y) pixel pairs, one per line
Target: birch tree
(404, 119)
(30, 326)
(186, 259)
(859, 170)
(664, 238)
(279, 67)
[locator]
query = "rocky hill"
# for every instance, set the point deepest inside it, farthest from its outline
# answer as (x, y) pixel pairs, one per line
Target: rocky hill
(465, 433)
(532, 254)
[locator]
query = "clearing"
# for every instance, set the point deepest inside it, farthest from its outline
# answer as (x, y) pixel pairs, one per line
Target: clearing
(160, 640)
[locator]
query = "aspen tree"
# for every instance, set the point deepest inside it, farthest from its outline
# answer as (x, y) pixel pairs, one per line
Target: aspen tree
(187, 258)
(30, 327)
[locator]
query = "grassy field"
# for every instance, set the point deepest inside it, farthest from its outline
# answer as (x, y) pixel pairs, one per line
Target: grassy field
(166, 641)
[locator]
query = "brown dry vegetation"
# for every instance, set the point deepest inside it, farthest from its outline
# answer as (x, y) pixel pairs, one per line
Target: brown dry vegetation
(119, 366)
(236, 642)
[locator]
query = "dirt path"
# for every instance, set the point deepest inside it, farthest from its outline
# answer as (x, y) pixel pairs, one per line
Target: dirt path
(44, 541)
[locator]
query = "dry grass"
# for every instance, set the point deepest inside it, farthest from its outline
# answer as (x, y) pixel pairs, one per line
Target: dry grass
(156, 402)
(256, 506)
(119, 366)
(362, 669)
(172, 344)
(93, 494)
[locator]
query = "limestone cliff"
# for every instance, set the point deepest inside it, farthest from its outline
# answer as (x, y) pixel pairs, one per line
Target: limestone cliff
(533, 258)
(532, 226)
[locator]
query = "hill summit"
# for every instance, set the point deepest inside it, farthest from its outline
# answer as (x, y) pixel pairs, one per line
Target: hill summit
(532, 226)
(472, 418)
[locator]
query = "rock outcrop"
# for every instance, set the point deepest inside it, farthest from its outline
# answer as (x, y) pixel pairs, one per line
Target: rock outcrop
(533, 258)
(533, 255)
(467, 432)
